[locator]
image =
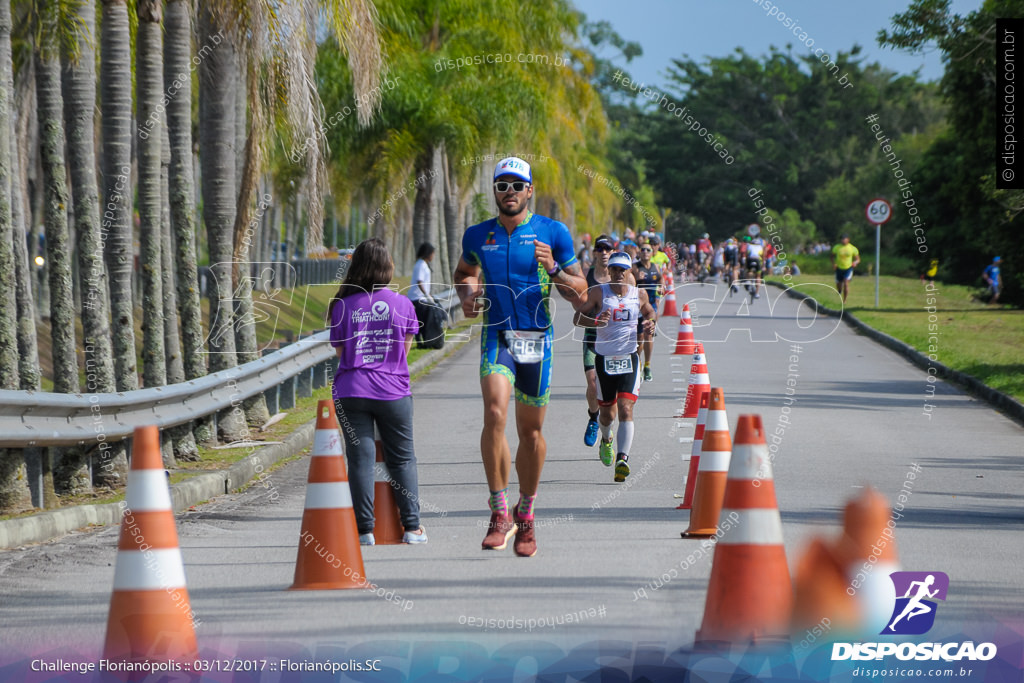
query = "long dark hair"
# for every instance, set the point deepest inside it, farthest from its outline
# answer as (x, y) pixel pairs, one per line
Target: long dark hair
(425, 250)
(371, 268)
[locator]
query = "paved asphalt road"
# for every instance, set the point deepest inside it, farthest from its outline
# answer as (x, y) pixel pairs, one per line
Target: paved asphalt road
(858, 419)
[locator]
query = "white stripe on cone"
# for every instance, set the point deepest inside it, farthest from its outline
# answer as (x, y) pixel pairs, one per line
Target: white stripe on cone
(717, 421)
(327, 442)
(145, 570)
(328, 496)
(713, 461)
(761, 526)
(147, 490)
(750, 461)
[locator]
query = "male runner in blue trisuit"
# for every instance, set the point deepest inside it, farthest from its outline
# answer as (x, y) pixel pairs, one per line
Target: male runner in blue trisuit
(506, 271)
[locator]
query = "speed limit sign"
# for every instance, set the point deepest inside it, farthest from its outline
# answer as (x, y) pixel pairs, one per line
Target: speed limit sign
(878, 211)
(753, 229)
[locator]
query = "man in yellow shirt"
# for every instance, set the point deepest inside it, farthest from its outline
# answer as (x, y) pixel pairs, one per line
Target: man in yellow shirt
(845, 257)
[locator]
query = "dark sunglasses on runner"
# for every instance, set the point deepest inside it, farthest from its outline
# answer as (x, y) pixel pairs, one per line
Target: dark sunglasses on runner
(517, 186)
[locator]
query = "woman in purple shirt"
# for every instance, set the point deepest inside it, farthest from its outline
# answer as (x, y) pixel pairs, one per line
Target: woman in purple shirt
(373, 327)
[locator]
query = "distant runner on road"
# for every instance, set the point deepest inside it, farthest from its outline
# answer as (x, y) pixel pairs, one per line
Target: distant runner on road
(845, 257)
(596, 276)
(506, 271)
(648, 278)
(615, 314)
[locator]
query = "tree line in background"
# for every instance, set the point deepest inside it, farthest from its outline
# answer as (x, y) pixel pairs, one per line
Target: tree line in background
(805, 141)
(142, 140)
(112, 116)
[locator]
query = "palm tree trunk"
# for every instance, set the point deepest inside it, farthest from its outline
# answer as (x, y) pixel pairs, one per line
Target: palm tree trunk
(246, 225)
(14, 491)
(218, 74)
(181, 187)
(452, 205)
(72, 473)
(28, 348)
(423, 218)
(8, 302)
(149, 79)
(181, 438)
(110, 466)
(116, 104)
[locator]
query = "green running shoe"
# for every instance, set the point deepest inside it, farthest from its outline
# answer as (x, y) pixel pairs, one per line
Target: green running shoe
(607, 451)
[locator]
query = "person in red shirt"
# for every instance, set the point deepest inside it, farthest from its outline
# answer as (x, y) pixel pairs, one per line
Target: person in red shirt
(770, 253)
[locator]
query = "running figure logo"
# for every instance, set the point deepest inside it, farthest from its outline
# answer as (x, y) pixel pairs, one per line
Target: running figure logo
(913, 590)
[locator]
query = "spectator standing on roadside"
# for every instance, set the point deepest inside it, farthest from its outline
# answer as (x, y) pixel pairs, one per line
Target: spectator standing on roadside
(994, 279)
(419, 291)
(372, 328)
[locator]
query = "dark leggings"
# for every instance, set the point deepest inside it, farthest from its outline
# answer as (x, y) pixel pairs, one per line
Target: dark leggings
(357, 416)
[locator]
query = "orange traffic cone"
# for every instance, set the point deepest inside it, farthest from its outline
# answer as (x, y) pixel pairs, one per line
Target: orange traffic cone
(670, 296)
(867, 533)
(699, 381)
(819, 592)
(749, 594)
(698, 434)
(684, 339)
(712, 472)
(329, 555)
(387, 525)
(150, 616)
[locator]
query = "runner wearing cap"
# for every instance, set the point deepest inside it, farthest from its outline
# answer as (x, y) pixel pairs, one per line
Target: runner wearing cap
(648, 278)
(596, 276)
(506, 271)
(614, 313)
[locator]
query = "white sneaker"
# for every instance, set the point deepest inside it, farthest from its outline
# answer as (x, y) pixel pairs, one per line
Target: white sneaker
(366, 539)
(413, 537)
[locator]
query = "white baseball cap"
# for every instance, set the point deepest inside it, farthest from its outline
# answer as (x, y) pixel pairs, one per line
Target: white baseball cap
(513, 166)
(620, 259)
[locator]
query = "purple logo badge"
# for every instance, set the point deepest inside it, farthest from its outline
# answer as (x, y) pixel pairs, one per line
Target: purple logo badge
(916, 592)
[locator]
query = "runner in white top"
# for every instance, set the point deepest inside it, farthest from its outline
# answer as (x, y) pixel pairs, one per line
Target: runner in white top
(615, 313)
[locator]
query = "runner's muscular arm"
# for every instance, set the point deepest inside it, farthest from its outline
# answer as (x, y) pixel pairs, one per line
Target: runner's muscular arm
(467, 286)
(569, 281)
(584, 317)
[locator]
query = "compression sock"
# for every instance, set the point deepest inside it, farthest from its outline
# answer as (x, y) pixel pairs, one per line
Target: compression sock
(625, 436)
(606, 431)
(525, 507)
(499, 502)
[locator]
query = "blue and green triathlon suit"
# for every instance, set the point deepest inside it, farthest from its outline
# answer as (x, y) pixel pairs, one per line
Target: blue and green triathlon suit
(517, 289)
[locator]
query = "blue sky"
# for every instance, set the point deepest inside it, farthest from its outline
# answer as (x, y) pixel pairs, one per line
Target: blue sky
(668, 28)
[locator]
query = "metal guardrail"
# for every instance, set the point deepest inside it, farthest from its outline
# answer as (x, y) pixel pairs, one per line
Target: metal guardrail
(35, 419)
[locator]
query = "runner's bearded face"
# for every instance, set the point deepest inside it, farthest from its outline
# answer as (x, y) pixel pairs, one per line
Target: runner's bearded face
(510, 202)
